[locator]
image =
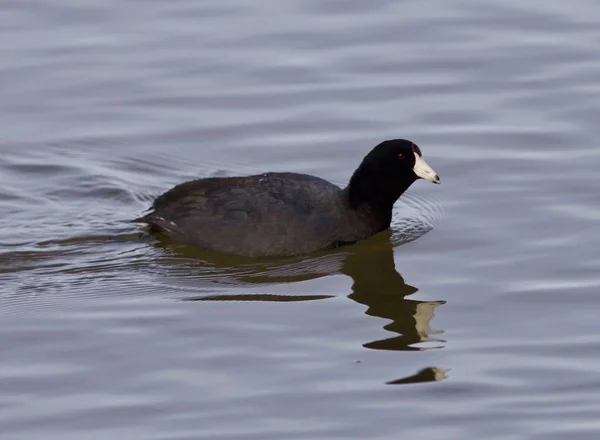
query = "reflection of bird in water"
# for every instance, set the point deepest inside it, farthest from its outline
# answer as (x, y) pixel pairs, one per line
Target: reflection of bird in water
(377, 285)
(429, 374)
(382, 289)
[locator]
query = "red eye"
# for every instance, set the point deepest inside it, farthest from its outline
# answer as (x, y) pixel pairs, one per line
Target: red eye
(416, 150)
(401, 156)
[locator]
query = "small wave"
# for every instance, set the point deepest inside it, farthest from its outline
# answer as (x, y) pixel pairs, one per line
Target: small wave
(414, 216)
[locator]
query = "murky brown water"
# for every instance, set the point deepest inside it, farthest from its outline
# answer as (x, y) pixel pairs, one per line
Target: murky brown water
(485, 327)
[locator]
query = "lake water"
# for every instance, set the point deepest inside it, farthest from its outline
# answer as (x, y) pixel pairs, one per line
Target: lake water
(486, 327)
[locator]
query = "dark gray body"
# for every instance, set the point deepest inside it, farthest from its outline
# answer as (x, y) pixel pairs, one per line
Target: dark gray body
(263, 215)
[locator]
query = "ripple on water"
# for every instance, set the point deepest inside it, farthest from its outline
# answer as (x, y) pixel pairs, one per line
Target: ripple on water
(107, 332)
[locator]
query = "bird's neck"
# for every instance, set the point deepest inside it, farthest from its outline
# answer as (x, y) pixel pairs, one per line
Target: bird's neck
(373, 195)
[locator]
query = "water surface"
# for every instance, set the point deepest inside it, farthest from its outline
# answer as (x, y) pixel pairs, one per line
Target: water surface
(483, 327)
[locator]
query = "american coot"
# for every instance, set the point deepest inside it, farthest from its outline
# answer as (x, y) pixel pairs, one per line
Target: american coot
(277, 214)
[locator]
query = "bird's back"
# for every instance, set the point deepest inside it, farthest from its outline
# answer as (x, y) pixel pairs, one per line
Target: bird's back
(266, 214)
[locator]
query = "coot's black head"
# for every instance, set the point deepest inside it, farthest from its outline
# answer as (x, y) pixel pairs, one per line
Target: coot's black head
(386, 172)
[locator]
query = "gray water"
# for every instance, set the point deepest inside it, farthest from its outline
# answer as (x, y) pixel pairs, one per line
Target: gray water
(485, 326)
